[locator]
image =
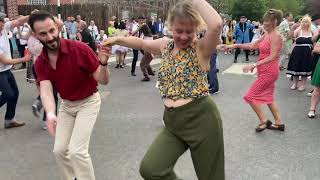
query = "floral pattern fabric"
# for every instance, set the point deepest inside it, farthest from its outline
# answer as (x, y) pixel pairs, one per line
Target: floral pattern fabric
(180, 76)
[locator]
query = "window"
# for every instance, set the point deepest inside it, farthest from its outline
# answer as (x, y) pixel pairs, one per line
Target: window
(42, 2)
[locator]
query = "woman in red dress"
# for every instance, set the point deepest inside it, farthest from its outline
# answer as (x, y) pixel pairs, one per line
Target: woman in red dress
(262, 90)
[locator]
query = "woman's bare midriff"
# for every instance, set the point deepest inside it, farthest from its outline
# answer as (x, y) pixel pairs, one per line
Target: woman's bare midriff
(176, 103)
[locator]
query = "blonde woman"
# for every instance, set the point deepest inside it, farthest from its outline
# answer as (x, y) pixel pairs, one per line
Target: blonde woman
(230, 37)
(120, 51)
(300, 62)
(192, 120)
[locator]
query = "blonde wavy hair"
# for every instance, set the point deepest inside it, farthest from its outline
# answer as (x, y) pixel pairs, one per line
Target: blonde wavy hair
(184, 10)
(308, 20)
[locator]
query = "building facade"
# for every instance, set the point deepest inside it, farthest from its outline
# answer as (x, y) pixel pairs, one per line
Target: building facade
(11, 6)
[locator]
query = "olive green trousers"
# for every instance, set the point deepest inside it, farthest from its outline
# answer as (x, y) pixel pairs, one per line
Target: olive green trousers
(196, 126)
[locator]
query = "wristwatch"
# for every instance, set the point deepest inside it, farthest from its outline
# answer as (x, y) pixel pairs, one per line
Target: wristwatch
(103, 64)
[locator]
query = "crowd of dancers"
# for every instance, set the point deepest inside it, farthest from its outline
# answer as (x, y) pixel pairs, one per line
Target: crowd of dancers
(192, 120)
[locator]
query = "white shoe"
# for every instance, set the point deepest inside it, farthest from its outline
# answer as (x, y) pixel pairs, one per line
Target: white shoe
(44, 125)
(293, 87)
(309, 94)
(311, 114)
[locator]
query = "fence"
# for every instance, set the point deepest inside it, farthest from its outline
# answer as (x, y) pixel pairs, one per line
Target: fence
(100, 13)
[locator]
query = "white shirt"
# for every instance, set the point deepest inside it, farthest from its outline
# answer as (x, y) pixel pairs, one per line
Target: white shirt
(93, 31)
(5, 46)
(135, 27)
(225, 30)
(24, 30)
(284, 29)
(100, 39)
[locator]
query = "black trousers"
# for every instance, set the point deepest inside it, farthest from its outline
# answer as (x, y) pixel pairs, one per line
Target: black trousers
(134, 60)
(21, 49)
(238, 51)
(9, 93)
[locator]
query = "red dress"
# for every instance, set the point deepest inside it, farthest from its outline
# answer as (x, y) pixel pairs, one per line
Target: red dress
(262, 90)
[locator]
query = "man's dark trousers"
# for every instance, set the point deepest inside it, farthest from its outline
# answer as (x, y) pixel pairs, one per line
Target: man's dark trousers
(212, 75)
(9, 93)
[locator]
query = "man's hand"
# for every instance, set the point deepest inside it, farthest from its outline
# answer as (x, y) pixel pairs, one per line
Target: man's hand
(104, 54)
(52, 121)
(34, 11)
(27, 57)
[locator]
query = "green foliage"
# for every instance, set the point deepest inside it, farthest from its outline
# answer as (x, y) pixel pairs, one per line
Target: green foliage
(252, 9)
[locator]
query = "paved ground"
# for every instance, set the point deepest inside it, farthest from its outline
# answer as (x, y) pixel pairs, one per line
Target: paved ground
(130, 118)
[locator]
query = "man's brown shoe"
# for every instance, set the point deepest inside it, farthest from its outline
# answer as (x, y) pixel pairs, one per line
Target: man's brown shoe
(13, 124)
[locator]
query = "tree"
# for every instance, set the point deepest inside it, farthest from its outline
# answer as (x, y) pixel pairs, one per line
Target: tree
(252, 9)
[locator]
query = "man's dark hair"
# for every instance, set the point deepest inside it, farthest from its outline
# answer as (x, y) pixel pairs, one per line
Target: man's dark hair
(288, 14)
(39, 16)
(122, 25)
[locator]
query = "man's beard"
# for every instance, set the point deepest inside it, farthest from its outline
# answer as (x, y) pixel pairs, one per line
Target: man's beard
(55, 39)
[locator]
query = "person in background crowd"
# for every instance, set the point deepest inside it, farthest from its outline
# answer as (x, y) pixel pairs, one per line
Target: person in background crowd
(315, 55)
(134, 32)
(224, 34)
(8, 86)
(230, 37)
(212, 74)
(251, 33)
(128, 25)
(241, 35)
(10, 36)
(86, 36)
(159, 28)
(284, 30)
(145, 33)
(316, 83)
(21, 40)
(71, 28)
(111, 29)
(166, 32)
(300, 62)
(115, 22)
(120, 51)
(151, 25)
(78, 19)
(257, 34)
(101, 36)
(93, 29)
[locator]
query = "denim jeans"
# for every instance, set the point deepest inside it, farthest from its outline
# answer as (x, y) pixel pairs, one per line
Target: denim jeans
(9, 93)
(212, 75)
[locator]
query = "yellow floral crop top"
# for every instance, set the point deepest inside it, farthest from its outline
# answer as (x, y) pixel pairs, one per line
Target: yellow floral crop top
(180, 76)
